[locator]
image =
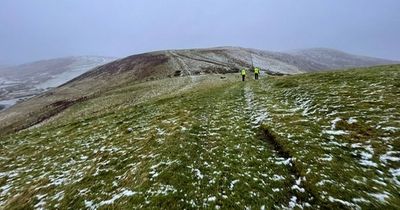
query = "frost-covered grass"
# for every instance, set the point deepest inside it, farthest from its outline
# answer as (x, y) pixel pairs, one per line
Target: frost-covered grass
(203, 147)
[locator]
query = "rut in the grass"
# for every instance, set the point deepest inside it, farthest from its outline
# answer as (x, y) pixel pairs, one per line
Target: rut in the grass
(301, 194)
(299, 188)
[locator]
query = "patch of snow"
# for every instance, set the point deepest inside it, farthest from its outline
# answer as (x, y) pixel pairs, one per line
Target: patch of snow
(160, 131)
(364, 180)
(284, 162)
(391, 129)
(128, 193)
(192, 203)
(335, 132)
(125, 192)
(162, 190)
(211, 199)
(332, 113)
(356, 145)
(395, 173)
(327, 157)
(154, 174)
(380, 196)
(351, 120)
(277, 177)
(4, 189)
(59, 181)
(293, 202)
(368, 163)
(233, 183)
(346, 203)
(365, 157)
(198, 173)
(322, 182)
(379, 182)
(337, 143)
(41, 202)
(360, 200)
(296, 187)
(389, 157)
(90, 205)
(59, 196)
(260, 118)
(333, 123)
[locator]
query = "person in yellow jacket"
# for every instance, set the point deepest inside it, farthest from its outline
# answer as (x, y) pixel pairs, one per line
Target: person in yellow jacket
(256, 72)
(243, 73)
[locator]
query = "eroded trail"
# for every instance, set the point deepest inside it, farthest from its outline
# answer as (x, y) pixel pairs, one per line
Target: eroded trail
(300, 195)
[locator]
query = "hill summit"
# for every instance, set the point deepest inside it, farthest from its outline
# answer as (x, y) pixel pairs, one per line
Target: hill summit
(169, 63)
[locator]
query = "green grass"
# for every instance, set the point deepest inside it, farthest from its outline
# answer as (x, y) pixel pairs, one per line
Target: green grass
(201, 146)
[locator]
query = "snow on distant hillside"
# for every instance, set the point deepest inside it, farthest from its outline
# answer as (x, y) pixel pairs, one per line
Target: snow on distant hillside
(27, 80)
(80, 66)
(334, 59)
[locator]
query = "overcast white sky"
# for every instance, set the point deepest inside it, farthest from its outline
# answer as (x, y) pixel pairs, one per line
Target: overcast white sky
(39, 29)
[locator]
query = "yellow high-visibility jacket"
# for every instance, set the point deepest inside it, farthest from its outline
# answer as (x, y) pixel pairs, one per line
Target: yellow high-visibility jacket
(256, 70)
(243, 72)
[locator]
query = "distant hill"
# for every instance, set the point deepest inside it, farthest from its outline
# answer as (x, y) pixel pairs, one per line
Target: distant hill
(171, 63)
(33, 78)
(335, 59)
(174, 63)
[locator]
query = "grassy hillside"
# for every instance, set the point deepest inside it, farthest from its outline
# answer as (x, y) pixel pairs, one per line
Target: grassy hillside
(163, 65)
(327, 140)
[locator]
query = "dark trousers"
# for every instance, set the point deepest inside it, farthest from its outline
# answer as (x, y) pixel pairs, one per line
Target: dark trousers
(256, 75)
(243, 76)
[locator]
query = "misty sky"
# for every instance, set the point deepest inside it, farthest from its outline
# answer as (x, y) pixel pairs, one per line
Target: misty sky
(39, 29)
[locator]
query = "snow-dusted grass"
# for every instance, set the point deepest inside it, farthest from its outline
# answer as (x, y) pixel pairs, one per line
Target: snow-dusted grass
(342, 128)
(133, 147)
